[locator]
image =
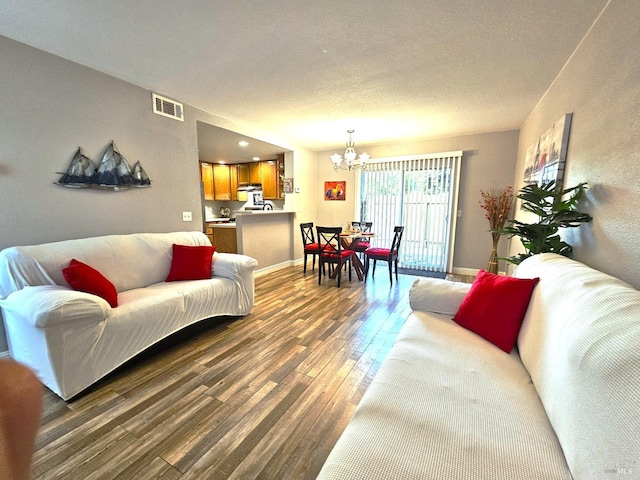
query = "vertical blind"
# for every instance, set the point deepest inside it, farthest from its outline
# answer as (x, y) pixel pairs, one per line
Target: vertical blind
(420, 193)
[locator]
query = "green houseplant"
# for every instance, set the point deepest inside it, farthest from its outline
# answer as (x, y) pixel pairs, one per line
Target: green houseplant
(556, 209)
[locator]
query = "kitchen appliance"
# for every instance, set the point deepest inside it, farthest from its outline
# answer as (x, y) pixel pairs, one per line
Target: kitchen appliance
(251, 194)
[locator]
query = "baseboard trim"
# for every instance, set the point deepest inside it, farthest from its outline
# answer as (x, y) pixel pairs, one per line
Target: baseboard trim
(465, 271)
(4, 354)
(470, 271)
(272, 268)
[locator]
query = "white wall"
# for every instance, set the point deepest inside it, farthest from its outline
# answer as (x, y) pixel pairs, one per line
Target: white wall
(601, 86)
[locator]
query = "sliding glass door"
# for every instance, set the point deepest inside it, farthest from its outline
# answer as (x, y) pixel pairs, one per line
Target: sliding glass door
(420, 193)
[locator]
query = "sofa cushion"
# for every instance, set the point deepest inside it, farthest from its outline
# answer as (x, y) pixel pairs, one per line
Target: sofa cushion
(112, 255)
(580, 343)
(447, 405)
(437, 295)
(85, 278)
(191, 262)
(495, 306)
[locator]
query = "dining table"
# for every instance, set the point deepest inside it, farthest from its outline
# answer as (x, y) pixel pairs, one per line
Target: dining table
(350, 241)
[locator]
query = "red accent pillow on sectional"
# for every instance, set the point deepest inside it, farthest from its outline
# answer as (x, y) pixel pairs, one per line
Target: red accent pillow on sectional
(495, 306)
(84, 278)
(191, 262)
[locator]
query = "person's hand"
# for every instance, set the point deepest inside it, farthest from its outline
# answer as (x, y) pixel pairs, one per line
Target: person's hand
(20, 409)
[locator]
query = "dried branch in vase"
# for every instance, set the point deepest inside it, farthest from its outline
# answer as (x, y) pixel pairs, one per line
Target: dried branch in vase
(497, 206)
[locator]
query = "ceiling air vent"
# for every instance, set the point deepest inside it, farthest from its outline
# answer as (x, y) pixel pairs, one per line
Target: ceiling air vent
(168, 108)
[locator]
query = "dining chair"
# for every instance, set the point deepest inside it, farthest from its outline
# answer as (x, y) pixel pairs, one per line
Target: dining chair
(309, 244)
(365, 227)
(390, 255)
(331, 252)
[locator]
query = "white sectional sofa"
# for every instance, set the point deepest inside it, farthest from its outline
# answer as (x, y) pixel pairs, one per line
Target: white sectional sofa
(564, 404)
(71, 338)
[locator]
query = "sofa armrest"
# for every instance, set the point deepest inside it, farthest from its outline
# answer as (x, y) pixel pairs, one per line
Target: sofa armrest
(240, 269)
(437, 295)
(46, 305)
(233, 266)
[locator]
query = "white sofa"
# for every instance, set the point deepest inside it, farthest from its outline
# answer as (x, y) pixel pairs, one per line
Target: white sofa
(447, 404)
(71, 339)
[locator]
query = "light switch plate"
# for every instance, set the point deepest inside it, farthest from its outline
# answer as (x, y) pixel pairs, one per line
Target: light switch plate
(187, 217)
(297, 189)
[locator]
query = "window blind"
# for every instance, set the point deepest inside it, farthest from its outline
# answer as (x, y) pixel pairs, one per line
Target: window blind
(420, 193)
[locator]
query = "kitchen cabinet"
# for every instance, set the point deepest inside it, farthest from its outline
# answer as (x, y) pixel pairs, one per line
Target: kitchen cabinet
(233, 172)
(255, 175)
(243, 172)
(280, 175)
(224, 238)
(269, 179)
(221, 182)
(206, 176)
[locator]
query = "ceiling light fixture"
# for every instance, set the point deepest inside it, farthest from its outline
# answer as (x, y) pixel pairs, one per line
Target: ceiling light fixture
(243, 143)
(350, 155)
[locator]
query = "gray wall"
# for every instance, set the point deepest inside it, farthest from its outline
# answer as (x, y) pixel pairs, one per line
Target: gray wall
(488, 162)
(50, 106)
(601, 86)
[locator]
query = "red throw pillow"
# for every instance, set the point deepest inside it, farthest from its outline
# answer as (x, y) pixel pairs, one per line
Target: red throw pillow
(495, 306)
(84, 278)
(191, 262)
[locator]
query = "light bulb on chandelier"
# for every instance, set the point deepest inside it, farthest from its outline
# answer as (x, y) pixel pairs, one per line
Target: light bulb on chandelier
(350, 160)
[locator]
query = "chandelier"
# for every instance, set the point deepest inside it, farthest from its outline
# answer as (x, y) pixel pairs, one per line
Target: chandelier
(350, 155)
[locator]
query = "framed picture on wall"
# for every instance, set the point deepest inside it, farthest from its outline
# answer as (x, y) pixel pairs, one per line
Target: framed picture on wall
(287, 185)
(334, 190)
(546, 158)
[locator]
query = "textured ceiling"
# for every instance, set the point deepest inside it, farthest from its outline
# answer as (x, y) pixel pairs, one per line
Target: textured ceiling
(307, 71)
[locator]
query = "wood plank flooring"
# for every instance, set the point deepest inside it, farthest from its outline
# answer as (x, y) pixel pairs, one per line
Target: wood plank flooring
(265, 396)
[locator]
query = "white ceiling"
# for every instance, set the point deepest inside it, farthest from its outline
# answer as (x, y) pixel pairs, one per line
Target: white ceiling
(306, 71)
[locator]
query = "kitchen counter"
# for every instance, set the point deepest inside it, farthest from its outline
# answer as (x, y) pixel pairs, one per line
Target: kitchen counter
(221, 225)
(242, 213)
(266, 235)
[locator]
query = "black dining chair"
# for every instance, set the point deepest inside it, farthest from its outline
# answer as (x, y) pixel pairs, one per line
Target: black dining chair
(309, 244)
(331, 252)
(390, 255)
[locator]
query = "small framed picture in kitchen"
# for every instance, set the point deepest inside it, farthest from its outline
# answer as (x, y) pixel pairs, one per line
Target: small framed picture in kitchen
(287, 185)
(335, 190)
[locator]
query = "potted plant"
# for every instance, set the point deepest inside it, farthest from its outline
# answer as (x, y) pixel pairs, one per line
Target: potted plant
(556, 209)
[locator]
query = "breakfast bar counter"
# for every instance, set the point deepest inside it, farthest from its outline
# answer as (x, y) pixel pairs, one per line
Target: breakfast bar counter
(266, 235)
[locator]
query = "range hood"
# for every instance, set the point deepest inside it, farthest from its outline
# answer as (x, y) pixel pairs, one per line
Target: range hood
(249, 187)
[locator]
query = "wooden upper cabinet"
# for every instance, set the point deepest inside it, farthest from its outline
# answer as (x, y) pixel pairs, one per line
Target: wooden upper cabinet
(254, 172)
(243, 173)
(233, 171)
(280, 175)
(206, 175)
(269, 176)
(221, 182)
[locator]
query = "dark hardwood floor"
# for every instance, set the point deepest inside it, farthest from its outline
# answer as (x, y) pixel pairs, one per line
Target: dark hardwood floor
(264, 396)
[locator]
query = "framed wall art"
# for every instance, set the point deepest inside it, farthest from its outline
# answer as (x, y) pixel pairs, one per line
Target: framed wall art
(545, 159)
(287, 185)
(334, 190)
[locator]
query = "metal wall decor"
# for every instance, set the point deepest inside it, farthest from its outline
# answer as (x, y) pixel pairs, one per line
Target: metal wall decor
(113, 172)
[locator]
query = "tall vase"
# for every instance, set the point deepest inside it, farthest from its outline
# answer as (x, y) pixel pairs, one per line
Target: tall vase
(492, 266)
